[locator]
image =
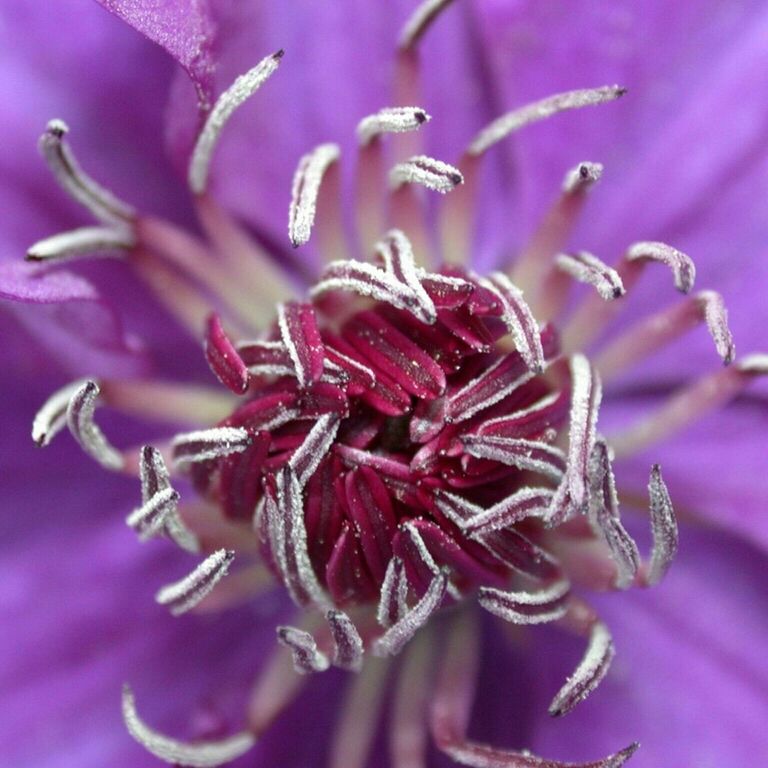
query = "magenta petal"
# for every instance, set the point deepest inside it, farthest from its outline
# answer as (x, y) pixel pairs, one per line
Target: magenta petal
(185, 29)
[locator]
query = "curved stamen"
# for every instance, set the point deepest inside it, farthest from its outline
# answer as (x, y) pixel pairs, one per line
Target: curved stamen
(589, 674)
(663, 527)
(81, 424)
(240, 91)
(205, 754)
(348, 645)
(539, 110)
(587, 268)
(394, 592)
(683, 268)
(52, 417)
(390, 120)
(690, 404)
(224, 359)
(105, 241)
(430, 173)
(73, 180)
(307, 659)
(206, 444)
(547, 605)
(183, 595)
(660, 329)
(306, 189)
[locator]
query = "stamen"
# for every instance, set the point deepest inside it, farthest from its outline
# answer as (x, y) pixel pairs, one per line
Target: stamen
(586, 268)
(84, 429)
(390, 120)
(589, 674)
(531, 455)
(73, 180)
(663, 527)
(683, 268)
(301, 337)
(659, 330)
(242, 89)
(582, 177)
(689, 404)
(525, 503)
(540, 110)
(223, 358)
(149, 519)
(77, 242)
(204, 754)
(397, 254)
(419, 22)
(266, 358)
(315, 447)
(586, 394)
(306, 188)
(298, 572)
(530, 269)
(430, 173)
(540, 607)
(593, 316)
(348, 645)
(604, 517)
(306, 656)
(185, 594)
(519, 319)
(394, 591)
(52, 417)
(367, 280)
(396, 637)
(206, 444)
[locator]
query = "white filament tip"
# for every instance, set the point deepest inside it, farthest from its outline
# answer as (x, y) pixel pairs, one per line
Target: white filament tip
(391, 120)
(306, 188)
(430, 173)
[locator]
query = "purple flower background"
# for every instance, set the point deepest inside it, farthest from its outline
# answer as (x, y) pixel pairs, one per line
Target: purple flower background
(686, 158)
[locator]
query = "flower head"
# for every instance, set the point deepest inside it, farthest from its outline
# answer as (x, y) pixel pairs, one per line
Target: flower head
(402, 438)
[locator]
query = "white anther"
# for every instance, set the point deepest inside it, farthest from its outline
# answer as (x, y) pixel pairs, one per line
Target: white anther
(348, 645)
(77, 242)
(242, 89)
(430, 173)
(203, 754)
(52, 417)
(306, 656)
(587, 676)
(540, 607)
(85, 430)
(394, 592)
(73, 180)
(582, 177)
(390, 120)
(587, 268)
(716, 318)
(183, 595)
(682, 266)
(206, 444)
(663, 528)
(540, 110)
(306, 188)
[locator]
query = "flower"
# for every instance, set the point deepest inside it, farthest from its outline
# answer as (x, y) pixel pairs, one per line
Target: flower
(402, 294)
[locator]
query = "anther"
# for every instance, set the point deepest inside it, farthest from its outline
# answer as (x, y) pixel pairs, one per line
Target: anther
(301, 336)
(348, 645)
(204, 754)
(663, 528)
(306, 656)
(398, 635)
(224, 359)
(183, 595)
(683, 268)
(394, 591)
(206, 444)
(588, 674)
(716, 318)
(419, 22)
(306, 188)
(84, 429)
(315, 448)
(540, 110)
(430, 173)
(52, 417)
(390, 120)
(79, 242)
(242, 89)
(579, 179)
(587, 268)
(73, 180)
(542, 607)
(150, 518)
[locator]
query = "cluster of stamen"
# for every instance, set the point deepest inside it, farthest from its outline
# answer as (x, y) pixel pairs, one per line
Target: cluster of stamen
(400, 439)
